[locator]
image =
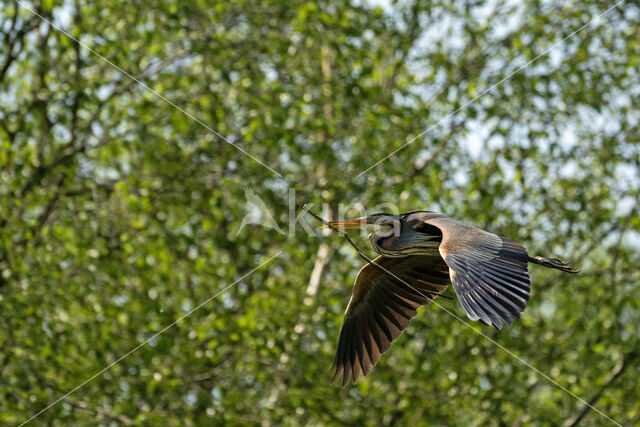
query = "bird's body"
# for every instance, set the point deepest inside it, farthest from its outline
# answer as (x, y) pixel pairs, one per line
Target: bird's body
(421, 253)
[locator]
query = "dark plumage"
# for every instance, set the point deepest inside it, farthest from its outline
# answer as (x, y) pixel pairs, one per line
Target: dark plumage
(422, 253)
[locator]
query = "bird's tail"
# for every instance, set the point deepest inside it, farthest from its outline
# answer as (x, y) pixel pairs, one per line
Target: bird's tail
(553, 263)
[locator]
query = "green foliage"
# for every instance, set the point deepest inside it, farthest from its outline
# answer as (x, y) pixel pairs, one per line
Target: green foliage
(119, 213)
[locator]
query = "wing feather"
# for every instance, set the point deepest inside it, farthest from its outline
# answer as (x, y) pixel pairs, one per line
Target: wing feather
(381, 307)
(488, 272)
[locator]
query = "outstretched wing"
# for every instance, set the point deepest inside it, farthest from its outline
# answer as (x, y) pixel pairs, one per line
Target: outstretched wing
(381, 307)
(488, 272)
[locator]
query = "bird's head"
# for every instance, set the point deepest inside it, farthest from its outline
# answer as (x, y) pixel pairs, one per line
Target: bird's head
(393, 235)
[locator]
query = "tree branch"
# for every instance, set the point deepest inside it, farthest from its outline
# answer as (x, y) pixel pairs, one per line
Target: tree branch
(322, 259)
(11, 42)
(616, 373)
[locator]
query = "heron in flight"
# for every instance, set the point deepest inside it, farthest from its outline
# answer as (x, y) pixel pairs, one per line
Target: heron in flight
(420, 254)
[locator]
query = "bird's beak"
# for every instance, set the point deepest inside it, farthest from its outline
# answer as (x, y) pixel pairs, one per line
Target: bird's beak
(348, 223)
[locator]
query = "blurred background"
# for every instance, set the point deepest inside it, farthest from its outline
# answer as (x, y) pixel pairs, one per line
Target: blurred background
(119, 212)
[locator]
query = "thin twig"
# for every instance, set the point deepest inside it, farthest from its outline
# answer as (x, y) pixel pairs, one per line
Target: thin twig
(617, 371)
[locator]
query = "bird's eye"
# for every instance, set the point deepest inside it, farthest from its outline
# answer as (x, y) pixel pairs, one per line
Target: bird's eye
(380, 220)
(374, 219)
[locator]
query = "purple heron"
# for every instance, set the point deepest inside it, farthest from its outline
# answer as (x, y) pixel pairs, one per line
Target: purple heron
(427, 251)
